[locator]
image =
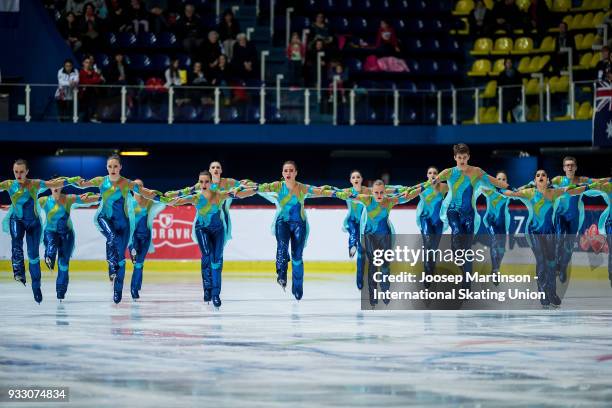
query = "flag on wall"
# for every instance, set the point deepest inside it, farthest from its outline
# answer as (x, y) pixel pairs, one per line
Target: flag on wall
(602, 115)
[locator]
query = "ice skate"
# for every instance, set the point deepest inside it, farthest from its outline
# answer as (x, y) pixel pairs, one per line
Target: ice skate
(38, 297)
(352, 251)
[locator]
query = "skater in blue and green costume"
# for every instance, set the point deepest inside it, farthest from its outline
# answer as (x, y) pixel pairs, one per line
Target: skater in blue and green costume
(376, 228)
(541, 232)
(290, 224)
(209, 232)
(428, 217)
(497, 222)
(58, 232)
(23, 219)
(218, 183)
(568, 215)
(603, 187)
(145, 212)
(459, 205)
(115, 217)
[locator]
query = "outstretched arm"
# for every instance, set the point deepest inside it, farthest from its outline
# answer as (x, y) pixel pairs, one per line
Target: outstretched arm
(444, 175)
(62, 182)
(94, 182)
(182, 201)
(87, 198)
(153, 195)
(182, 192)
(5, 185)
(273, 187)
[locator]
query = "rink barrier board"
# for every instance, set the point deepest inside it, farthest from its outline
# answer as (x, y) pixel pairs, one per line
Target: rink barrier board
(190, 270)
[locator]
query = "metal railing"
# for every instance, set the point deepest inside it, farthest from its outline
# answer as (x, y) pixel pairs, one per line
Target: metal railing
(334, 104)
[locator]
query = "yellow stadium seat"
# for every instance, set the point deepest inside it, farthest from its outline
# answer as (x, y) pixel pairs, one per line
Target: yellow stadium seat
(585, 62)
(561, 5)
(523, 66)
(480, 67)
(481, 114)
(576, 23)
(532, 86)
(586, 5)
(522, 46)
(559, 84)
(578, 40)
(463, 8)
(567, 116)
(490, 115)
(595, 59)
(533, 113)
(490, 90)
(482, 46)
(523, 4)
(489, 4)
(547, 45)
(503, 46)
(602, 4)
(598, 19)
(587, 22)
(587, 42)
(498, 66)
(536, 64)
(584, 111)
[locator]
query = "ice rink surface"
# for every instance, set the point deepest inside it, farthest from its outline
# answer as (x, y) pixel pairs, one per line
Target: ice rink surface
(264, 349)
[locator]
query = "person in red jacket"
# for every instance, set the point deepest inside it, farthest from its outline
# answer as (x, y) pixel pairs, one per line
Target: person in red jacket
(89, 94)
(386, 39)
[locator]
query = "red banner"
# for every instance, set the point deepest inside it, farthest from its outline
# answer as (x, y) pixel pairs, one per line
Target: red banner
(172, 234)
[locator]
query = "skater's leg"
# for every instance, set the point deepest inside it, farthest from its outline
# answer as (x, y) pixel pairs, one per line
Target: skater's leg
(205, 251)
(17, 230)
(283, 235)
(122, 239)
(112, 253)
(50, 239)
(140, 244)
(217, 240)
(66, 243)
(33, 234)
(298, 240)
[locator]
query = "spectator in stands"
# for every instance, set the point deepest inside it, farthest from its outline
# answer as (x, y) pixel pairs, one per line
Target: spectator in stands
(196, 78)
(337, 69)
(210, 51)
(311, 62)
(70, 31)
(157, 19)
(228, 29)
(604, 65)
(244, 63)
(565, 39)
(172, 74)
(68, 81)
(510, 81)
(507, 16)
(295, 55)
(90, 28)
(88, 94)
(386, 40)
(138, 16)
(539, 16)
(221, 76)
(319, 30)
(75, 6)
(118, 18)
(480, 19)
(189, 29)
(118, 71)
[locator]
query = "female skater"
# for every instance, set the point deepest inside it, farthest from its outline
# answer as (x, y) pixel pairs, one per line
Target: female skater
(145, 212)
(604, 188)
(58, 232)
(376, 228)
(209, 232)
(115, 217)
(541, 232)
(428, 217)
(23, 219)
(497, 222)
(290, 224)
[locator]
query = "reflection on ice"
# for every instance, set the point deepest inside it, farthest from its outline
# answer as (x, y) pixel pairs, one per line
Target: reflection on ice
(265, 349)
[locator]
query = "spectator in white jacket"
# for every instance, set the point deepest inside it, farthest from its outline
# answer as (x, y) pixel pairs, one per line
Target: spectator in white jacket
(68, 81)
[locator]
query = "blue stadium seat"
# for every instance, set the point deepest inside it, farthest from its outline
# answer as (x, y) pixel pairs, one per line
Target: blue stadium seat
(366, 7)
(139, 62)
(402, 7)
(146, 40)
(126, 40)
(413, 45)
(339, 25)
(414, 66)
(298, 23)
(448, 67)
(450, 46)
(109, 112)
(401, 26)
(432, 45)
(159, 62)
(415, 25)
(102, 60)
(426, 86)
(310, 6)
(431, 67)
(167, 40)
(444, 85)
(353, 65)
(359, 25)
(344, 6)
(407, 86)
(110, 39)
(327, 6)
(408, 115)
(185, 113)
(205, 113)
(184, 61)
